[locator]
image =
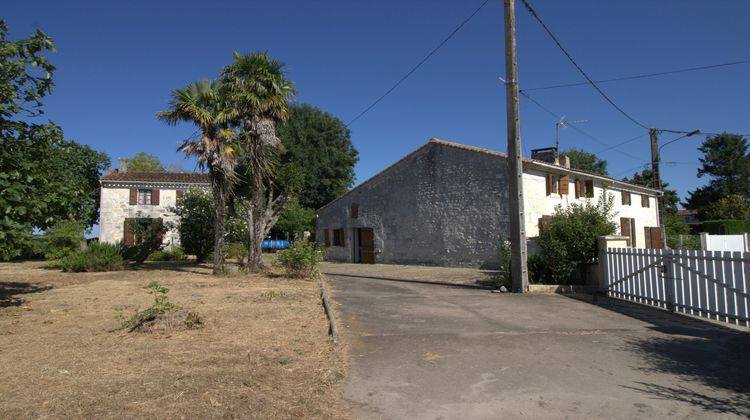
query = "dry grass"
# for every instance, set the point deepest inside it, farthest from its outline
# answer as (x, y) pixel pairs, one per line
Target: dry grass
(262, 353)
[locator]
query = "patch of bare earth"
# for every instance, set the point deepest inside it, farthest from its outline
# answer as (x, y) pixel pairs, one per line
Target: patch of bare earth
(263, 351)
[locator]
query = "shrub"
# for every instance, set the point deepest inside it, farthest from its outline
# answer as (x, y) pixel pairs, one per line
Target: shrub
(726, 227)
(196, 214)
(97, 256)
(63, 239)
(236, 251)
(730, 207)
(173, 254)
(568, 240)
(300, 260)
(148, 234)
(163, 312)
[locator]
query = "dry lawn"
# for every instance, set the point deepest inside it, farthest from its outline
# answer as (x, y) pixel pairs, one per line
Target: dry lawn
(259, 354)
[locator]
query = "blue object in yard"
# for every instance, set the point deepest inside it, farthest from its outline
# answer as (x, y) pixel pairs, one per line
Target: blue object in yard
(275, 244)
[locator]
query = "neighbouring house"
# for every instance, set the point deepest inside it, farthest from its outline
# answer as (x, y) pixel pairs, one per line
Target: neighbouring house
(447, 204)
(127, 195)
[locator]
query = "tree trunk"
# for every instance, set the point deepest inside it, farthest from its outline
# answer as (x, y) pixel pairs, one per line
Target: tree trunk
(256, 229)
(217, 188)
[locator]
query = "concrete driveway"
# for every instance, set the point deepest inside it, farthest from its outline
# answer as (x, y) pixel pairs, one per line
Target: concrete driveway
(434, 351)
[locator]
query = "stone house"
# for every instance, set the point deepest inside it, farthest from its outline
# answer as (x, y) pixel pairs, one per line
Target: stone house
(447, 204)
(126, 195)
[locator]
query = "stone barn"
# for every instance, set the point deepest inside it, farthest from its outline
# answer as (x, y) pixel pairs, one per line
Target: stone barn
(447, 204)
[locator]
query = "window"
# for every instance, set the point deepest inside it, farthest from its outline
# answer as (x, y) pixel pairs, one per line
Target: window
(553, 184)
(645, 202)
(584, 188)
(627, 228)
(338, 237)
(144, 196)
(180, 195)
(354, 211)
(625, 198)
(327, 237)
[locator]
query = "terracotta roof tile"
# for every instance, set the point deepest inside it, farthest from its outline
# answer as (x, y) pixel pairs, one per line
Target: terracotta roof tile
(167, 177)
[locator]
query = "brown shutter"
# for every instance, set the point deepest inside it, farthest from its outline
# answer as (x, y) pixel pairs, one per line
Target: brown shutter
(657, 238)
(327, 238)
(626, 198)
(644, 201)
(155, 197)
(564, 185)
(625, 227)
(632, 232)
(550, 183)
(133, 196)
(127, 236)
(355, 211)
(180, 194)
(647, 236)
(578, 188)
(589, 188)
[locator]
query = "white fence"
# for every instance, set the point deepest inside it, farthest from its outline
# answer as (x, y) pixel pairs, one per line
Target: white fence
(711, 284)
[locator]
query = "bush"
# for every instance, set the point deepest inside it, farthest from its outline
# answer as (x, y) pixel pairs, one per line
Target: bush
(236, 251)
(97, 256)
(300, 260)
(148, 234)
(196, 213)
(568, 241)
(63, 239)
(726, 227)
(174, 254)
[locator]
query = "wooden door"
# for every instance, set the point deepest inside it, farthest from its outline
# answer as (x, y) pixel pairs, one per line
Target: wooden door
(367, 246)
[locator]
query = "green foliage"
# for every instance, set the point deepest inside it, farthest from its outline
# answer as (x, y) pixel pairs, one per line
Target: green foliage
(731, 207)
(196, 216)
(98, 256)
(148, 235)
(295, 219)
(173, 254)
(685, 242)
(537, 268)
(320, 144)
(587, 161)
(36, 195)
(568, 240)
(300, 260)
(63, 239)
(675, 226)
(236, 251)
(670, 199)
(271, 294)
(726, 227)
(727, 163)
(144, 162)
(161, 306)
(505, 255)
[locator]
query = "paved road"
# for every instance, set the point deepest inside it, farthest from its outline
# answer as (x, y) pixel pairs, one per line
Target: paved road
(428, 351)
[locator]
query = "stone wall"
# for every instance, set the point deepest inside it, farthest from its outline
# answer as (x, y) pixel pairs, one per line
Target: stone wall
(115, 208)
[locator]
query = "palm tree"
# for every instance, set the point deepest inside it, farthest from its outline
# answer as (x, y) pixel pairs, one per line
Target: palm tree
(202, 104)
(259, 92)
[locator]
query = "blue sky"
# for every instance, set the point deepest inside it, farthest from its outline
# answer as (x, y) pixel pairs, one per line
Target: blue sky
(118, 61)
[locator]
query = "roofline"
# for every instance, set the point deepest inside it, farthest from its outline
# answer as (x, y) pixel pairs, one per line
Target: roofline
(528, 163)
(119, 181)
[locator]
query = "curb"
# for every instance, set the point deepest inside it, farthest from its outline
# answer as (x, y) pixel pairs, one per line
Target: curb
(332, 330)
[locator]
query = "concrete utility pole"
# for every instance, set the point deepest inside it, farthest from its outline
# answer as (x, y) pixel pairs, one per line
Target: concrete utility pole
(519, 272)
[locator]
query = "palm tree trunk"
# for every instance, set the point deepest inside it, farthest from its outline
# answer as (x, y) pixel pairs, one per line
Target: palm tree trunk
(217, 188)
(255, 250)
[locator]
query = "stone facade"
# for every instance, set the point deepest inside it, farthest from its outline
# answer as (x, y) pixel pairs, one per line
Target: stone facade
(116, 201)
(447, 204)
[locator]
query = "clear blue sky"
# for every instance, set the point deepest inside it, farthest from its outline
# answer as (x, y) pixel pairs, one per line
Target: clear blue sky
(118, 61)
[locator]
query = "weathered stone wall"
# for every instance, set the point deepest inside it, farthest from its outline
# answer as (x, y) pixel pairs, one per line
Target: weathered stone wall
(115, 208)
(439, 206)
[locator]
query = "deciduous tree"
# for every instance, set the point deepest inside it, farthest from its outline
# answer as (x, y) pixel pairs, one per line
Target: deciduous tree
(144, 162)
(587, 161)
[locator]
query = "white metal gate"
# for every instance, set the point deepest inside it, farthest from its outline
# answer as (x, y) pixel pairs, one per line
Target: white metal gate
(711, 284)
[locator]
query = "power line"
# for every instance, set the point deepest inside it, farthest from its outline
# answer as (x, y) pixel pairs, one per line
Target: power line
(586, 76)
(413, 69)
(574, 127)
(642, 76)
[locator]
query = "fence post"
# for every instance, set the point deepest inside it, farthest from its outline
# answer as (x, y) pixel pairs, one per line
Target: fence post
(668, 280)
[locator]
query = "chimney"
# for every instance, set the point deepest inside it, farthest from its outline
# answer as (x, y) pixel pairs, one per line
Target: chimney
(565, 161)
(123, 165)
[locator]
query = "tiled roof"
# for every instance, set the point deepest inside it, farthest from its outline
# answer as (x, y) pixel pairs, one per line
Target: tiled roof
(166, 177)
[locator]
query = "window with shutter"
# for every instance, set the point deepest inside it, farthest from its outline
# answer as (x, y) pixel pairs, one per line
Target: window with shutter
(578, 188)
(564, 184)
(180, 195)
(645, 201)
(133, 196)
(155, 197)
(625, 198)
(589, 185)
(145, 197)
(338, 237)
(627, 228)
(552, 184)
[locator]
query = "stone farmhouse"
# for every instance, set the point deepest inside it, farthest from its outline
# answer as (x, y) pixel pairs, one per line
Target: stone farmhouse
(447, 204)
(126, 195)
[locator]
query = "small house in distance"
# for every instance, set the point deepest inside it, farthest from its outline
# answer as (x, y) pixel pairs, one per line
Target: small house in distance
(447, 204)
(127, 195)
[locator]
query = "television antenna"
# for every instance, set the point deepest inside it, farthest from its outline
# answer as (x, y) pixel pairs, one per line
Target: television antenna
(564, 124)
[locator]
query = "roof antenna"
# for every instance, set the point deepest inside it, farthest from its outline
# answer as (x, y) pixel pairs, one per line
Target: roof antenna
(564, 124)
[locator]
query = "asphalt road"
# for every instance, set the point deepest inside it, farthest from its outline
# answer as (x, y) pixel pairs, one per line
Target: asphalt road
(429, 351)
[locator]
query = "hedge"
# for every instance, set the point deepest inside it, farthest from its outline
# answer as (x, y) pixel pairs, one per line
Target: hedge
(726, 227)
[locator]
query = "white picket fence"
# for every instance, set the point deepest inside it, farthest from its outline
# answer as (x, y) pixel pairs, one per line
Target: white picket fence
(711, 284)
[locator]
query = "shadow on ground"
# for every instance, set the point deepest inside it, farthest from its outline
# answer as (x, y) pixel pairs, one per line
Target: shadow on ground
(479, 283)
(11, 292)
(717, 357)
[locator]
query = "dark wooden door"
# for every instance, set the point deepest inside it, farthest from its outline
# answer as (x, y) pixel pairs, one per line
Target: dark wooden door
(367, 245)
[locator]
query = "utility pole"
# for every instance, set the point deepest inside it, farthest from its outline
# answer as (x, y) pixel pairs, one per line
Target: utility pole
(656, 177)
(519, 272)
